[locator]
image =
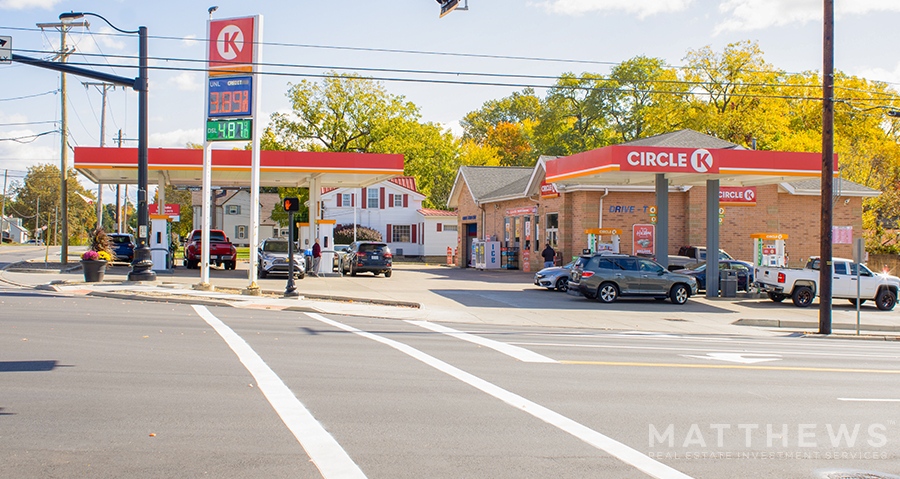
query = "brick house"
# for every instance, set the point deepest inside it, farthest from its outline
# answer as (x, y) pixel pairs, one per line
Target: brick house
(509, 205)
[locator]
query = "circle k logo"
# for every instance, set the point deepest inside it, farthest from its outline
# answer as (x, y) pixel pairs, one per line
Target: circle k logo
(230, 42)
(750, 195)
(701, 160)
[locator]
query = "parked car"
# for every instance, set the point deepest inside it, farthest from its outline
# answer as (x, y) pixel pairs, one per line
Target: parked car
(339, 251)
(606, 277)
(221, 251)
(35, 242)
(367, 256)
(122, 245)
(273, 257)
(557, 277)
(689, 257)
(744, 272)
(801, 285)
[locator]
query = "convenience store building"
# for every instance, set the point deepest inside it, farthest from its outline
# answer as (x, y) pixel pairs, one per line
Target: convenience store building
(616, 189)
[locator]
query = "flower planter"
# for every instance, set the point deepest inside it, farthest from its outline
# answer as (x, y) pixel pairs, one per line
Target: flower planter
(93, 270)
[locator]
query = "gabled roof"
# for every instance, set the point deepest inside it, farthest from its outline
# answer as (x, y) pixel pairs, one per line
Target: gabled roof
(684, 139)
(406, 182)
(491, 183)
(434, 212)
(841, 187)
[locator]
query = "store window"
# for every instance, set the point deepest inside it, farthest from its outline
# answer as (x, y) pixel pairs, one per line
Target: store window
(527, 229)
(372, 197)
(537, 232)
(507, 229)
(552, 229)
(401, 234)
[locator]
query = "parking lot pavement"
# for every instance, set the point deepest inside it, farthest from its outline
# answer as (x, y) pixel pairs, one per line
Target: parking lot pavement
(492, 297)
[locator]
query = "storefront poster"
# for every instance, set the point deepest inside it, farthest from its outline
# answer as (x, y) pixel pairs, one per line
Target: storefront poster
(526, 260)
(644, 239)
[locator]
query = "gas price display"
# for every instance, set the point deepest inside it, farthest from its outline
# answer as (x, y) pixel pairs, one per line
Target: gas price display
(230, 97)
(228, 130)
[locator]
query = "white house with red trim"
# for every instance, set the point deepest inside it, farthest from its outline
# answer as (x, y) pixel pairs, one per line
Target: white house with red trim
(394, 208)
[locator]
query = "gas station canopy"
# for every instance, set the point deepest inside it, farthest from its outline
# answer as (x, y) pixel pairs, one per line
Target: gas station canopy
(640, 165)
(232, 167)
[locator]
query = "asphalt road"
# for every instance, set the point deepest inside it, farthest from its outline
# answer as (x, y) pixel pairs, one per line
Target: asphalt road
(10, 254)
(105, 388)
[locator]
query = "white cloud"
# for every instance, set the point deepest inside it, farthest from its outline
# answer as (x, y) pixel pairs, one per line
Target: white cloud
(176, 139)
(26, 4)
(189, 41)
(641, 8)
(109, 38)
(880, 74)
(186, 81)
(747, 15)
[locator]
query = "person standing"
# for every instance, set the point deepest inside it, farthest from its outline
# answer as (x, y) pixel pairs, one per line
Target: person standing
(548, 255)
(317, 254)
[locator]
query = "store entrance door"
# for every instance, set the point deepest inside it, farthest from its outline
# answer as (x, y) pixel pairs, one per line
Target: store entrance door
(471, 234)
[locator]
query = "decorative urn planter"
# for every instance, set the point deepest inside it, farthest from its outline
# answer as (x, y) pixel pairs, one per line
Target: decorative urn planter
(93, 270)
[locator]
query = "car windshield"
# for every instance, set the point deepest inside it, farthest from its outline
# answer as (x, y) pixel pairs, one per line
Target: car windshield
(120, 239)
(275, 247)
(374, 248)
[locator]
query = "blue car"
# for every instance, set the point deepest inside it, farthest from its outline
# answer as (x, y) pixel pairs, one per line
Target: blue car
(122, 246)
(743, 270)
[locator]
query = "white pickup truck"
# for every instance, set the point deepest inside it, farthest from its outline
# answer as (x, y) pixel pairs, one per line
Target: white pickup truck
(801, 285)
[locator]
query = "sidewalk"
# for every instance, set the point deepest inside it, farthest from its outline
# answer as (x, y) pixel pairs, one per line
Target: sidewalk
(443, 294)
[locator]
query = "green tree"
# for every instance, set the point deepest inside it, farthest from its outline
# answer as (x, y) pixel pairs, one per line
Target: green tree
(42, 182)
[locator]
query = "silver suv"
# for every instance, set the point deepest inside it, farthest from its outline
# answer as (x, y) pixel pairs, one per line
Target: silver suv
(605, 277)
(273, 258)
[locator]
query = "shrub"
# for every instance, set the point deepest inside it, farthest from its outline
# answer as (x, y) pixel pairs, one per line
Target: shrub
(100, 242)
(343, 234)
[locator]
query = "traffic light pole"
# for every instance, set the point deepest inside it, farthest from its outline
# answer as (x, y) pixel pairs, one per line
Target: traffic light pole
(290, 291)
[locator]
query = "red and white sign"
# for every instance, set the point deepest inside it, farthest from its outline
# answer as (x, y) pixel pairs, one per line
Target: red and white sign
(678, 160)
(644, 239)
(737, 195)
(172, 211)
(522, 211)
(548, 190)
(231, 44)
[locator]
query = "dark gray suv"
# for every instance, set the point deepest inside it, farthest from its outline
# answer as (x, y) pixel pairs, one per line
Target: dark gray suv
(605, 277)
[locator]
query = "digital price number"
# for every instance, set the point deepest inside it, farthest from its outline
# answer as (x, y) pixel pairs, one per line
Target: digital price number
(228, 130)
(230, 97)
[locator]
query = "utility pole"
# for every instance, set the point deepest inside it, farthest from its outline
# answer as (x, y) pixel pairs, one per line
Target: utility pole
(37, 215)
(102, 87)
(63, 54)
(119, 228)
(4, 223)
(825, 232)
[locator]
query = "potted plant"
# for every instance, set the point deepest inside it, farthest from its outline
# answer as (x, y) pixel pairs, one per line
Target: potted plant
(94, 261)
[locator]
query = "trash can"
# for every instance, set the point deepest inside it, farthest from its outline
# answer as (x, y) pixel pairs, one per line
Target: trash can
(728, 283)
(307, 255)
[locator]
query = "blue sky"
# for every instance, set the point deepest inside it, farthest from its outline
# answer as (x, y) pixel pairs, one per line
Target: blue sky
(592, 33)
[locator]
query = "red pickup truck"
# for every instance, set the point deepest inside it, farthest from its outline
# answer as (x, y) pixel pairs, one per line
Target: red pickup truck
(221, 251)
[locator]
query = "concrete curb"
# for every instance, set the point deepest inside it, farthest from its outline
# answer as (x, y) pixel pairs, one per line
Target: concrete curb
(160, 299)
(777, 323)
(867, 337)
(347, 299)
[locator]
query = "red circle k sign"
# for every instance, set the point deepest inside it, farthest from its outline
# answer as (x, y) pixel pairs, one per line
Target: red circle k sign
(231, 42)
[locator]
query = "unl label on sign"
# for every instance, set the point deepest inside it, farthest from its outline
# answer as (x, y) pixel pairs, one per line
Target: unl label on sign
(737, 195)
(231, 44)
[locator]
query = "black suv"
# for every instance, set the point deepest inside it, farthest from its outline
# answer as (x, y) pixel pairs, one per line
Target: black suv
(367, 256)
(605, 277)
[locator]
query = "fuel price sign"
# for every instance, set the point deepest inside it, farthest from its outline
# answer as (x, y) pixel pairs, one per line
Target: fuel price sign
(228, 130)
(230, 97)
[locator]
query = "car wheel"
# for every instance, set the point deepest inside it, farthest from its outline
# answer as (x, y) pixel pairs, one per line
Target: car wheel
(387, 274)
(776, 297)
(352, 270)
(562, 284)
(679, 294)
(802, 297)
(231, 265)
(853, 301)
(607, 292)
(886, 300)
(263, 273)
(301, 275)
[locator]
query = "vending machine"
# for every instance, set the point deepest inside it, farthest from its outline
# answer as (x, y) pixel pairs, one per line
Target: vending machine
(487, 254)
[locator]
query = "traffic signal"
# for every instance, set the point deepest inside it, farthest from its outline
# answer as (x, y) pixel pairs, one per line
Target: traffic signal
(291, 204)
(447, 6)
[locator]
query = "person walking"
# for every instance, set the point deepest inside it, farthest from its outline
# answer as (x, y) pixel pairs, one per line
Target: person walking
(317, 254)
(548, 255)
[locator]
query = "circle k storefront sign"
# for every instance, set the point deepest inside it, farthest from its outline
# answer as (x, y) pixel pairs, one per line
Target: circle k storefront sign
(670, 160)
(737, 195)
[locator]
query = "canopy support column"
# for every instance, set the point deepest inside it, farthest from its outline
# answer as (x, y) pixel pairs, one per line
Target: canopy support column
(662, 220)
(712, 238)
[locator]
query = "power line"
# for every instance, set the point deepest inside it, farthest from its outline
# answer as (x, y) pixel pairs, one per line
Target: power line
(33, 137)
(30, 96)
(29, 123)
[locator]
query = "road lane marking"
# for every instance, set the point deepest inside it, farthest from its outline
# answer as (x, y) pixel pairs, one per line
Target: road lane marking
(703, 350)
(743, 358)
(325, 452)
(732, 366)
(868, 400)
(516, 352)
(616, 449)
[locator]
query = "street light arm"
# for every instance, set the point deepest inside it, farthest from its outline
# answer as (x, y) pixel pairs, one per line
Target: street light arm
(77, 15)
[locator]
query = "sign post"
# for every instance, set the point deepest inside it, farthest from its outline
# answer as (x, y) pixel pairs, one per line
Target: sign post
(291, 205)
(859, 254)
(232, 111)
